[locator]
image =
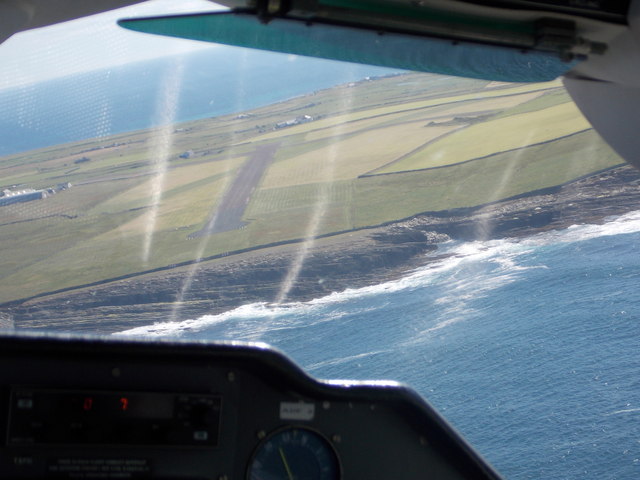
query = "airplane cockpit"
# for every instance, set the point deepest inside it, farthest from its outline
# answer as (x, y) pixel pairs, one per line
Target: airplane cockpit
(91, 408)
(77, 406)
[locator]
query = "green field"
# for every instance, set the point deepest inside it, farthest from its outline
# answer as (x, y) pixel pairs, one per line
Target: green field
(506, 133)
(366, 158)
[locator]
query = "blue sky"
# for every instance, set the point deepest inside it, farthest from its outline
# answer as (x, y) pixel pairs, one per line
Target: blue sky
(91, 43)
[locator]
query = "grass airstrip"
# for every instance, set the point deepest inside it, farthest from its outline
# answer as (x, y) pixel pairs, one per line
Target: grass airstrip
(365, 154)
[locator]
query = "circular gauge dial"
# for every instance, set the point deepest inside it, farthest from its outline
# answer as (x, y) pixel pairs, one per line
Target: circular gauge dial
(294, 454)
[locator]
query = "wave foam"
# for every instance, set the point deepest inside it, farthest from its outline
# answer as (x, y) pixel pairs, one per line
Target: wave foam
(469, 271)
(341, 360)
(626, 410)
(624, 224)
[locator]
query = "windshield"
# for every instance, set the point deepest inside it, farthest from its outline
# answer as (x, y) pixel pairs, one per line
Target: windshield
(474, 239)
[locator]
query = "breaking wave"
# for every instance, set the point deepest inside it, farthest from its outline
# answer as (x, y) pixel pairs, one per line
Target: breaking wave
(528, 345)
(469, 271)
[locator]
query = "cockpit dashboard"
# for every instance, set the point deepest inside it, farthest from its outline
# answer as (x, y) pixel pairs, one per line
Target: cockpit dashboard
(96, 408)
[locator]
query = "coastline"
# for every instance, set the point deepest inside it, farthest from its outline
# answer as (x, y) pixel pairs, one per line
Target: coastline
(349, 260)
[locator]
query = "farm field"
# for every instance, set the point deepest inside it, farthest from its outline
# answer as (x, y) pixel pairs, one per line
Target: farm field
(507, 133)
(346, 158)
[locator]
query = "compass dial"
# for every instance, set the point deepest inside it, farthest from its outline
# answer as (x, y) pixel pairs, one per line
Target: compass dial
(294, 454)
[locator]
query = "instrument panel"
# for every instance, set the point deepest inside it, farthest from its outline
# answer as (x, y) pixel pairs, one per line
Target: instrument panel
(100, 408)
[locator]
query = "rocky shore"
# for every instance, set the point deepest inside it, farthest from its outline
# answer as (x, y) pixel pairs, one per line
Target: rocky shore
(350, 260)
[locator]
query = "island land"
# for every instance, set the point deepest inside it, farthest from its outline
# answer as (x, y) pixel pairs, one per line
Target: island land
(340, 188)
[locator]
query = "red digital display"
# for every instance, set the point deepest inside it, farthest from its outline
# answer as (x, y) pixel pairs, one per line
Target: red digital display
(59, 417)
(114, 405)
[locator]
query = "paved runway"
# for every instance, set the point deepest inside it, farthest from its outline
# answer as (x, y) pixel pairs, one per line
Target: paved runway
(228, 215)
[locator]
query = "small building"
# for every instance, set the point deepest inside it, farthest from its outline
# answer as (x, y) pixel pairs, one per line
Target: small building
(293, 121)
(21, 196)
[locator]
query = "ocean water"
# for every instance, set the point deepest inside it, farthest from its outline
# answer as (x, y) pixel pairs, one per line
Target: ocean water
(530, 347)
(210, 83)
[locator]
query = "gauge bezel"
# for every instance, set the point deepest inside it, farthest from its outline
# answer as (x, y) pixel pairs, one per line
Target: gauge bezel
(258, 448)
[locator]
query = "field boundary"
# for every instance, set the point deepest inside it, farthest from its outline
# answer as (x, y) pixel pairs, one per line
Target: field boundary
(415, 150)
(400, 111)
(484, 157)
(436, 213)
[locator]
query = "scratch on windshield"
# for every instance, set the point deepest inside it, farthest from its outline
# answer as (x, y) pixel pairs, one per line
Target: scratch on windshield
(320, 208)
(213, 224)
(161, 148)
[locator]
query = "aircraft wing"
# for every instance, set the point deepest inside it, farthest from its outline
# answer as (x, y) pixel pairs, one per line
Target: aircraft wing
(593, 45)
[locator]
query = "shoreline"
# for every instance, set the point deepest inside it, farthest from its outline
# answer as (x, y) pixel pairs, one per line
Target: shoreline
(348, 260)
